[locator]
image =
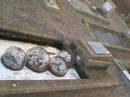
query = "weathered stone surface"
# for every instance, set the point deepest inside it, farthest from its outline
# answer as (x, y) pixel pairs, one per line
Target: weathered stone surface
(14, 58)
(37, 59)
(31, 17)
(68, 57)
(58, 66)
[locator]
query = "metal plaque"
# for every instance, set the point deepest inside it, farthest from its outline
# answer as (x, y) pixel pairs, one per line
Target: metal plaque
(98, 48)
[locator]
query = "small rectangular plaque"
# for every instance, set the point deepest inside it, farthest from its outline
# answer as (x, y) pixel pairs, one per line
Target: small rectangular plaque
(98, 48)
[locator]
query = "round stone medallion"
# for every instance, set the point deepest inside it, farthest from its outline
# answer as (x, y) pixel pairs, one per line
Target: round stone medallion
(14, 58)
(67, 57)
(37, 59)
(58, 66)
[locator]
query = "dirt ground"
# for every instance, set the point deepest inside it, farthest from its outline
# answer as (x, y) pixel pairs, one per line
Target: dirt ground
(124, 11)
(120, 6)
